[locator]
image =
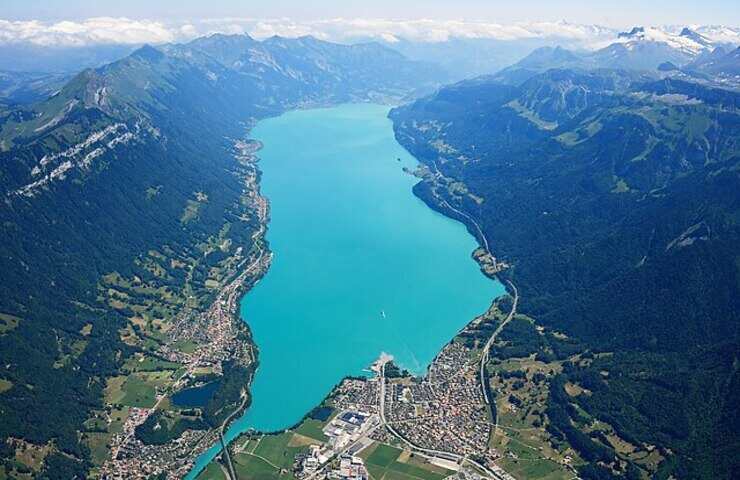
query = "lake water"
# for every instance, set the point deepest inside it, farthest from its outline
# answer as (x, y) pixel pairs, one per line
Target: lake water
(196, 396)
(361, 266)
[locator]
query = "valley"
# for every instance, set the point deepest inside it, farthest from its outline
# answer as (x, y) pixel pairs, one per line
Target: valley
(143, 303)
(226, 257)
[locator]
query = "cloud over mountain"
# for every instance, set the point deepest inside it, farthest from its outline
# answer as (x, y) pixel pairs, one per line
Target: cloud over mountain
(121, 30)
(92, 31)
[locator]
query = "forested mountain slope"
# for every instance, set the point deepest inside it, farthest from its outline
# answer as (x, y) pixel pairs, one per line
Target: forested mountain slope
(615, 198)
(127, 204)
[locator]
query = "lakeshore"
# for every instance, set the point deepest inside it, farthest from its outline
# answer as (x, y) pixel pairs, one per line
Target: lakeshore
(361, 266)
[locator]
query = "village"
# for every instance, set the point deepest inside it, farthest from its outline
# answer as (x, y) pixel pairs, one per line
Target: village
(220, 337)
(442, 417)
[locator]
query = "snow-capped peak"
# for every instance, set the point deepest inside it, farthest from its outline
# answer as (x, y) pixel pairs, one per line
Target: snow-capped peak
(687, 41)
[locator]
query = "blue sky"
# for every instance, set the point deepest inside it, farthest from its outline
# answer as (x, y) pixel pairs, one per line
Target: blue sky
(612, 13)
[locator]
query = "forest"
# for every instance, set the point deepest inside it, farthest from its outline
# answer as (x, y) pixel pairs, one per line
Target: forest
(630, 251)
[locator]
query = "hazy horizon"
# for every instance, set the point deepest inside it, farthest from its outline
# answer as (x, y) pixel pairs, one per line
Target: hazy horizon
(110, 30)
(610, 13)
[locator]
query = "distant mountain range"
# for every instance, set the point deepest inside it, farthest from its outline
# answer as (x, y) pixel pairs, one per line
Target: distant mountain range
(464, 49)
(249, 78)
(643, 49)
(24, 88)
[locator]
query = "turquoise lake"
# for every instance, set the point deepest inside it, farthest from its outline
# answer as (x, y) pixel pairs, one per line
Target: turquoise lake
(361, 265)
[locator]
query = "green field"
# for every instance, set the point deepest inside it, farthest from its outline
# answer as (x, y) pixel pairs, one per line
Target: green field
(535, 469)
(132, 391)
(265, 456)
(312, 428)
(97, 443)
(275, 449)
(404, 471)
(213, 472)
(383, 464)
(383, 455)
(149, 364)
(185, 346)
(249, 467)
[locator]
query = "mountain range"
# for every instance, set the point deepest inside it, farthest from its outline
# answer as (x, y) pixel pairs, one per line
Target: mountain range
(464, 49)
(640, 49)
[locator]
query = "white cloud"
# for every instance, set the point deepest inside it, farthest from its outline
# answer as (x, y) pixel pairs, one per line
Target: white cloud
(341, 29)
(93, 31)
(106, 30)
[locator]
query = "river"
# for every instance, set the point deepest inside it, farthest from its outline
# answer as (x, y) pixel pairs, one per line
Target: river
(361, 266)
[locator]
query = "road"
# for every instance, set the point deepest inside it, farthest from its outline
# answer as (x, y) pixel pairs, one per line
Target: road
(222, 428)
(225, 449)
(444, 202)
(487, 347)
(231, 294)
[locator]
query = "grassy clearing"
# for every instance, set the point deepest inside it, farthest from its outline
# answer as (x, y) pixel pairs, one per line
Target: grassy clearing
(383, 455)
(275, 449)
(5, 385)
(8, 323)
(97, 442)
(148, 364)
(415, 471)
(540, 469)
(389, 463)
(31, 455)
(532, 116)
(620, 186)
(249, 467)
(423, 463)
(313, 429)
(133, 390)
(186, 346)
(113, 389)
(118, 416)
(190, 212)
(212, 472)
(137, 393)
(521, 435)
(530, 456)
(298, 440)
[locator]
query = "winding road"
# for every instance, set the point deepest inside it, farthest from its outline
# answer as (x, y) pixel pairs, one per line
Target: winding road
(445, 203)
(487, 347)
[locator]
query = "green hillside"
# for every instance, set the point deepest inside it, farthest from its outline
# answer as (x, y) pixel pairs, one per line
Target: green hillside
(616, 199)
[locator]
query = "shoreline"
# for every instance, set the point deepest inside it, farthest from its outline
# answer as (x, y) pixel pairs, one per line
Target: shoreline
(223, 349)
(248, 155)
(192, 474)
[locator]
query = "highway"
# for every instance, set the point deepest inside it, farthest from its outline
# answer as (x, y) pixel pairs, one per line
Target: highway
(444, 202)
(487, 347)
